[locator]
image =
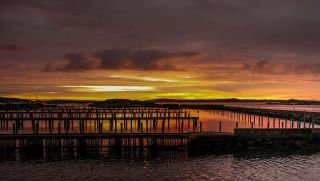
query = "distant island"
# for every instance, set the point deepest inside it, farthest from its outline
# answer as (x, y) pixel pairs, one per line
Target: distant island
(126, 102)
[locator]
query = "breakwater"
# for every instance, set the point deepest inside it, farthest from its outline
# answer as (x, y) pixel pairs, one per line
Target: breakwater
(255, 139)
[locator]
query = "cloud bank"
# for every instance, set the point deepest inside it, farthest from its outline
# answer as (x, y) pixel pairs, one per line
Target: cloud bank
(120, 59)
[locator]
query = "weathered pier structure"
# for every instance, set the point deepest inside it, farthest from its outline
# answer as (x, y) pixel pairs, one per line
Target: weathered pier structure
(246, 139)
(90, 144)
(53, 146)
(97, 120)
(64, 132)
(251, 120)
(289, 115)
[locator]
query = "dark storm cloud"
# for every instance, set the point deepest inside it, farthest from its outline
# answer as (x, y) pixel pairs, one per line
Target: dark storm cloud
(118, 59)
(267, 67)
(12, 48)
(250, 29)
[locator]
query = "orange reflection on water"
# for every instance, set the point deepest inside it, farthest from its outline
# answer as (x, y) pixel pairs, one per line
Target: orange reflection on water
(210, 121)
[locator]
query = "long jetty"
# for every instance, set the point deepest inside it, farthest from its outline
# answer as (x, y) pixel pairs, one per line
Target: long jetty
(100, 120)
(293, 115)
(88, 130)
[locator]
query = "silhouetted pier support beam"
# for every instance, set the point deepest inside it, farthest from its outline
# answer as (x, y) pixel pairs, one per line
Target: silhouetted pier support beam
(14, 129)
(59, 128)
(100, 127)
(163, 125)
(200, 126)
(220, 126)
(118, 146)
(141, 128)
(110, 124)
(195, 124)
(154, 147)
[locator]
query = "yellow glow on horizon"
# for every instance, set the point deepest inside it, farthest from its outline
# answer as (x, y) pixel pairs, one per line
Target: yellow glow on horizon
(85, 88)
(146, 85)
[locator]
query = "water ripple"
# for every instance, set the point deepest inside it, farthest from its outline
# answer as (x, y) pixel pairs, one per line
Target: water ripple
(226, 167)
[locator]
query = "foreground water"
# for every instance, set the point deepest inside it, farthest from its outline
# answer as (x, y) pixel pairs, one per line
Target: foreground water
(245, 166)
(175, 166)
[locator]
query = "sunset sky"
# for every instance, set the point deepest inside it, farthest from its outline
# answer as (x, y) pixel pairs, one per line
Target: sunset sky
(150, 49)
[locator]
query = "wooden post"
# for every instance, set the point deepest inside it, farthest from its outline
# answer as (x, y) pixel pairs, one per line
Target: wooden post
(14, 128)
(163, 122)
(312, 121)
(131, 125)
(286, 123)
(201, 127)
(220, 126)
(147, 125)
(141, 127)
(274, 122)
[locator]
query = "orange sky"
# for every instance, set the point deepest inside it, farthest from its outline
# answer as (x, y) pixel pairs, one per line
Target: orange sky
(187, 84)
(160, 49)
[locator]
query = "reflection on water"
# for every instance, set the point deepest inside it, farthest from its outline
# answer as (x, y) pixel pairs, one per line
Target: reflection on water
(211, 119)
(257, 166)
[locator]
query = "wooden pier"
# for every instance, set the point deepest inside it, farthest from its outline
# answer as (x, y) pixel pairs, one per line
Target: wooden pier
(71, 132)
(98, 120)
(82, 131)
(46, 146)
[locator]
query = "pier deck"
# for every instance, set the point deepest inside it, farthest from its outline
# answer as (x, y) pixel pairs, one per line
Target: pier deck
(96, 136)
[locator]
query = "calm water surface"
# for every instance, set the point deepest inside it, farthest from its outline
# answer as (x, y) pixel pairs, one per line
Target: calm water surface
(211, 119)
(247, 166)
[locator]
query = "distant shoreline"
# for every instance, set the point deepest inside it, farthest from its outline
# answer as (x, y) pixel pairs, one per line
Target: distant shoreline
(167, 101)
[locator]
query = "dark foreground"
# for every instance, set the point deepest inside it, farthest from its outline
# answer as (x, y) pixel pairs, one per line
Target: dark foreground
(61, 146)
(241, 166)
(249, 154)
